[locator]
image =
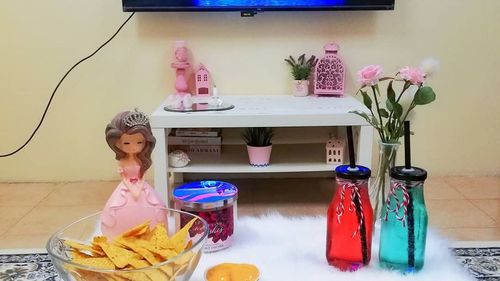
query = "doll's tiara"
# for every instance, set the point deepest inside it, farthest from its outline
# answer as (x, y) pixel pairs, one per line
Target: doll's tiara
(136, 118)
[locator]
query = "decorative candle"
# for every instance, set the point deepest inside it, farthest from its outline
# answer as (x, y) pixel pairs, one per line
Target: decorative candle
(215, 202)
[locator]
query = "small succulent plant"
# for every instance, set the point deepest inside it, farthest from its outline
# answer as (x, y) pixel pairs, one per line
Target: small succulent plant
(259, 137)
(302, 68)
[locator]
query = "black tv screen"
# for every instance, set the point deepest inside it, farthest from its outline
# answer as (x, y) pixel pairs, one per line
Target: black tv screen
(254, 5)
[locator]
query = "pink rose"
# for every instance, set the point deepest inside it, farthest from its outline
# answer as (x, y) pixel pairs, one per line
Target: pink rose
(369, 75)
(416, 76)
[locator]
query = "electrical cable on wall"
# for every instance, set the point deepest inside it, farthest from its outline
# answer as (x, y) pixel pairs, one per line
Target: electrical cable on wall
(60, 82)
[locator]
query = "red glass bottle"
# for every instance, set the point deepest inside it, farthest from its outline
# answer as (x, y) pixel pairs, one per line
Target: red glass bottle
(350, 220)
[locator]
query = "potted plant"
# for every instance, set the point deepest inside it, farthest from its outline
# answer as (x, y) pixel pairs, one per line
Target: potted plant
(259, 145)
(301, 70)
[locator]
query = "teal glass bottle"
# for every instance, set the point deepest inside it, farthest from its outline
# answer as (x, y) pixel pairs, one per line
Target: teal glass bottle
(404, 221)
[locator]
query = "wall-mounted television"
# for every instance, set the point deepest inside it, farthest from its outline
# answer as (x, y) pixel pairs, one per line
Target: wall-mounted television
(253, 5)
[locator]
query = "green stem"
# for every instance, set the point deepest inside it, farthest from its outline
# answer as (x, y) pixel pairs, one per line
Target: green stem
(401, 125)
(405, 87)
(392, 120)
(376, 127)
(381, 130)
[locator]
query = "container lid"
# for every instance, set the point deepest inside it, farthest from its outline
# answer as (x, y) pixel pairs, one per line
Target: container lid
(206, 194)
(358, 173)
(413, 174)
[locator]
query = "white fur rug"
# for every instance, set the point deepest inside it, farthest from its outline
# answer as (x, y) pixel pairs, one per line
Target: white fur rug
(289, 249)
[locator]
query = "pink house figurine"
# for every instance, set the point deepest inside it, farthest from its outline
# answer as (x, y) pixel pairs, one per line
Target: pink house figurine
(335, 151)
(329, 73)
(203, 82)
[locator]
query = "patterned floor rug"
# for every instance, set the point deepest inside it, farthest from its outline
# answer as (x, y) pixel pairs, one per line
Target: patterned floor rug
(482, 262)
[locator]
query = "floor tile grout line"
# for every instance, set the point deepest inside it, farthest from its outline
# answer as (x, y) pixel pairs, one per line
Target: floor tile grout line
(445, 180)
(484, 212)
(32, 208)
(18, 221)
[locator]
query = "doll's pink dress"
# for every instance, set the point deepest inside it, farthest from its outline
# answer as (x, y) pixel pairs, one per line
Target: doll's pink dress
(123, 211)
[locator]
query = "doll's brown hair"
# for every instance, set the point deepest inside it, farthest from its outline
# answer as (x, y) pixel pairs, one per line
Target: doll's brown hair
(131, 122)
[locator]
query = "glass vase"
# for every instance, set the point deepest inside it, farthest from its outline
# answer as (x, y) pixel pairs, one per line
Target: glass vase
(381, 185)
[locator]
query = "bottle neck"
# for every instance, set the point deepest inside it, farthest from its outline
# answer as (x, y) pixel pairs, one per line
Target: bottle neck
(360, 183)
(415, 188)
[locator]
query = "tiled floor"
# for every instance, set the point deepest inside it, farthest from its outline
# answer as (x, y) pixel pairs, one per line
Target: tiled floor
(462, 208)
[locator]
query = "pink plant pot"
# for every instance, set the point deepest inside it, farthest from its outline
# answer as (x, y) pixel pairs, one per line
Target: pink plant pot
(259, 156)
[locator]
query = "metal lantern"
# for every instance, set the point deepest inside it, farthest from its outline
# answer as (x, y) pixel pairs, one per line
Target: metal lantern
(329, 73)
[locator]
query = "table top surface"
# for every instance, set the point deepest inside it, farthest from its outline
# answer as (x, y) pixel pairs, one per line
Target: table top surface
(267, 110)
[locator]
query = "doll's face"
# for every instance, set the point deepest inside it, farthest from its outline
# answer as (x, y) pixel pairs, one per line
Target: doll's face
(131, 144)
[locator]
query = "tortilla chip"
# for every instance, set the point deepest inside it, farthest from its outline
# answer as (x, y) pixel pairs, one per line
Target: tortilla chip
(179, 238)
(137, 230)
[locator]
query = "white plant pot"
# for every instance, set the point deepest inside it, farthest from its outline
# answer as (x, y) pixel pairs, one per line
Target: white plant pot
(300, 88)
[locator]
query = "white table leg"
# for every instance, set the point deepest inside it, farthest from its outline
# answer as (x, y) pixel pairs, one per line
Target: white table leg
(365, 145)
(160, 164)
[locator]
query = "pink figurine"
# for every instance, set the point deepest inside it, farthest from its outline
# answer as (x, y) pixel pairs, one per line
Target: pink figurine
(134, 201)
(202, 80)
(181, 65)
(329, 73)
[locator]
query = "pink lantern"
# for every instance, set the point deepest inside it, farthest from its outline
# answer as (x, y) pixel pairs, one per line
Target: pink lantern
(202, 81)
(329, 73)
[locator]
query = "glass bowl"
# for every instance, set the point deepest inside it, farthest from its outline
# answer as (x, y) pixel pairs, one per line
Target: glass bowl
(177, 268)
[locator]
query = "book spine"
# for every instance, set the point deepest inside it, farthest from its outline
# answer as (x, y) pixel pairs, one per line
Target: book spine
(197, 149)
(204, 149)
(183, 133)
(175, 140)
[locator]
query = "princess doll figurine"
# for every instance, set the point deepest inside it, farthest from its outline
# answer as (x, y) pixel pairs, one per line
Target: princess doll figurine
(134, 201)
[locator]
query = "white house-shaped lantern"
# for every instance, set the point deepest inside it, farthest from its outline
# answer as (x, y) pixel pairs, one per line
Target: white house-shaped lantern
(329, 73)
(335, 150)
(203, 82)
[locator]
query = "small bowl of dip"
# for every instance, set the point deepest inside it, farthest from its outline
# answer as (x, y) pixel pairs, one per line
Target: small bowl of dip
(232, 272)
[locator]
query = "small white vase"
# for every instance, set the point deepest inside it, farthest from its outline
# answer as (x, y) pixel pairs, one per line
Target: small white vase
(300, 88)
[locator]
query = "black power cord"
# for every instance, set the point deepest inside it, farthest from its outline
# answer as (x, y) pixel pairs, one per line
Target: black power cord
(59, 84)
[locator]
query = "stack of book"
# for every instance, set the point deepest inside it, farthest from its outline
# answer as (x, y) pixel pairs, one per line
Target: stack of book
(206, 141)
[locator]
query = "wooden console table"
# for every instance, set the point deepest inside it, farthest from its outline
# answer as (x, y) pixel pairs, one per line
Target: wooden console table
(262, 111)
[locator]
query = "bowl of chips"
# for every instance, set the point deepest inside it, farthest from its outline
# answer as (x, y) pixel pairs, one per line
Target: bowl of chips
(144, 252)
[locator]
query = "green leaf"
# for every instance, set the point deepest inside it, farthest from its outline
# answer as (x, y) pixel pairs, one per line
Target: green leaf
(388, 104)
(366, 99)
(424, 95)
(383, 113)
(391, 95)
(362, 114)
(301, 58)
(375, 121)
(289, 62)
(397, 109)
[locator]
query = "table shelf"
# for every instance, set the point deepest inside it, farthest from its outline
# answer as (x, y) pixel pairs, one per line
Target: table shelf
(294, 149)
(284, 158)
